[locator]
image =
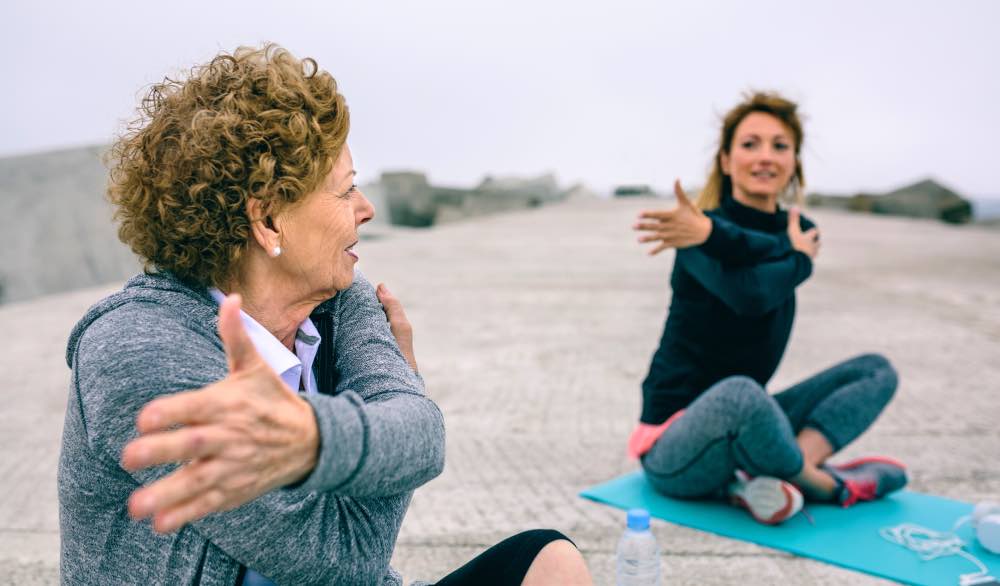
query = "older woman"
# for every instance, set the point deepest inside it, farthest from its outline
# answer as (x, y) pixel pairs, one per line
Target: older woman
(708, 426)
(297, 416)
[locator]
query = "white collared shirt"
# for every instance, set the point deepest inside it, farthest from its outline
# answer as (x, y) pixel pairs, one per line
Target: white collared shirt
(295, 369)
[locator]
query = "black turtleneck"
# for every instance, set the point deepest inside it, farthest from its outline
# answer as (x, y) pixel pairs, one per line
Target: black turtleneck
(732, 308)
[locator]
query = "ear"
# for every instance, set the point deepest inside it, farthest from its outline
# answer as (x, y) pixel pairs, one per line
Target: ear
(724, 162)
(263, 230)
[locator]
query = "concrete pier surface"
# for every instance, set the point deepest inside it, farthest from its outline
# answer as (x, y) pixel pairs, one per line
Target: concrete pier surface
(533, 332)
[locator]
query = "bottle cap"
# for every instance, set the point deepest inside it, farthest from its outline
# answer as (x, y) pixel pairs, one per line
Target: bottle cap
(988, 533)
(638, 519)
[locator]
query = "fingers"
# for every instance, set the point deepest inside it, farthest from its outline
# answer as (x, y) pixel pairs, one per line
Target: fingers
(189, 443)
(189, 511)
(661, 215)
(812, 234)
(682, 198)
(240, 351)
(793, 220)
(649, 226)
(189, 407)
(190, 481)
(659, 249)
(392, 305)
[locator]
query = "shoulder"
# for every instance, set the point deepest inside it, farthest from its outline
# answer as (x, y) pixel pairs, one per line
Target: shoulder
(144, 322)
(145, 333)
(360, 289)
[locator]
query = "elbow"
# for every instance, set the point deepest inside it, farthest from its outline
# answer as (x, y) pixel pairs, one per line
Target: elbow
(436, 445)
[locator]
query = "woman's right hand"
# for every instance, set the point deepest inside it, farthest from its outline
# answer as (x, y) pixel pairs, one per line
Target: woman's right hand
(235, 439)
(805, 242)
(681, 227)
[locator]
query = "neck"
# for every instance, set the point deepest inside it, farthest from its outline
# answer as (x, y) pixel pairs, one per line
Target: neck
(764, 202)
(273, 298)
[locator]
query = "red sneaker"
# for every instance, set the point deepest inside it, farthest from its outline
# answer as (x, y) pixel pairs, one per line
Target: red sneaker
(867, 479)
(769, 500)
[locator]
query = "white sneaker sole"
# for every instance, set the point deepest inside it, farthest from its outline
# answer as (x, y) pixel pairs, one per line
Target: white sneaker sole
(769, 500)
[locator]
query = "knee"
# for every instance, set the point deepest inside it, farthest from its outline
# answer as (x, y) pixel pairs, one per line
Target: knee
(559, 562)
(881, 370)
(741, 395)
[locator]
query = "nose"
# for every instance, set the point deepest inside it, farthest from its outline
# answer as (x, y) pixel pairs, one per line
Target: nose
(364, 211)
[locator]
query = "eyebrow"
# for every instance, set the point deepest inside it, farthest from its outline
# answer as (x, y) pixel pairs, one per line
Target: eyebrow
(755, 135)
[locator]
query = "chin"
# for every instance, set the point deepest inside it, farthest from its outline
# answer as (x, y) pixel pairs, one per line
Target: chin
(343, 282)
(758, 194)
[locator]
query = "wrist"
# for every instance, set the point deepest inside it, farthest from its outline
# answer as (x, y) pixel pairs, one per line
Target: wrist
(706, 229)
(308, 443)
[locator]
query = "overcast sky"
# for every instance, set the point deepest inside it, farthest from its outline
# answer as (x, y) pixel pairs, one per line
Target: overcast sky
(600, 92)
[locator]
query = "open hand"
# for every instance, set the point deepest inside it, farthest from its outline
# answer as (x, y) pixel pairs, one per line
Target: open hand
(239, 438)
(806, 242)
(398, 323)
(681, 227)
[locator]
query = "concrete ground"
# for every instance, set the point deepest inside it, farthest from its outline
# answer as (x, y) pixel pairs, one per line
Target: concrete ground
(533, 331)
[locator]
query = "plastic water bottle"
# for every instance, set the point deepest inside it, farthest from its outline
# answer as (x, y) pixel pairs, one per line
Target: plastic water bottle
(638, 561)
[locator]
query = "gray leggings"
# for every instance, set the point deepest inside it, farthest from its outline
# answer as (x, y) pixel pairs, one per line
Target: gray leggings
(737, 424)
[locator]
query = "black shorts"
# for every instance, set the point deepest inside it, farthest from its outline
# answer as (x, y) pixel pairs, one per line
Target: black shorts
(504, 564)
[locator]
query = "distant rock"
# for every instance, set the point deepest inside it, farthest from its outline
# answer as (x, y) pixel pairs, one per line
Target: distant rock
(413, 201)
(580, 192)
(57, 225)
(409, 197)
(923, 199)
(634, 191)
(60, 236)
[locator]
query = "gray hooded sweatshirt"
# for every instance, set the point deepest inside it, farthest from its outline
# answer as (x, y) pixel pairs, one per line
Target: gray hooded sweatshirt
(380, 438)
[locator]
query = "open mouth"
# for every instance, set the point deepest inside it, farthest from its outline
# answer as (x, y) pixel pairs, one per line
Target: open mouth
(764, 174)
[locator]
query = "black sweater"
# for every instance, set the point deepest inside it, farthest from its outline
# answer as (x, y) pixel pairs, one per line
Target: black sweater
(732, 308)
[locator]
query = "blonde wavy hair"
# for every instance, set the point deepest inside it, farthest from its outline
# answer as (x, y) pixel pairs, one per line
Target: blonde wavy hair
(257, 123)
(719, 184)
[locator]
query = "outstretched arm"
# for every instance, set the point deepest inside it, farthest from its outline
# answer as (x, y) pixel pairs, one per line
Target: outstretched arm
(290, 536)
(378, 435)
(735, 245)
(686, 226)
(747, 290)
(759, 288)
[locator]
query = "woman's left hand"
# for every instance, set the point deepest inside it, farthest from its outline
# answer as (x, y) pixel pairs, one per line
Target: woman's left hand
(237, 439)
(399, 325)
(681, 227)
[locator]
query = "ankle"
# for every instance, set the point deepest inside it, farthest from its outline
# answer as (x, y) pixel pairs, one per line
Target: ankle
(818, 484)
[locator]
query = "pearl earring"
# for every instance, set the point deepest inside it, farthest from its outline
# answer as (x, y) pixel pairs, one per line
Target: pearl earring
(276, 251)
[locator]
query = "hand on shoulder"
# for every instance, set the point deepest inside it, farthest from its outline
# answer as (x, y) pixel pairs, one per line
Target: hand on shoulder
(805, 242)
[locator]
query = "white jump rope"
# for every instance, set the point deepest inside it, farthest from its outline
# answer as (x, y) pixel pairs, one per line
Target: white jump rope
(929, 544)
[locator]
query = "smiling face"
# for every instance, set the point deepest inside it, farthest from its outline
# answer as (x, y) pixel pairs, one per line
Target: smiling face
(319, 232)
(760, 161)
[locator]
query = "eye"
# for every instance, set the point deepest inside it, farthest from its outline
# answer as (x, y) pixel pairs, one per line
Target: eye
(781, 146)
(748, 144)
(351, 191)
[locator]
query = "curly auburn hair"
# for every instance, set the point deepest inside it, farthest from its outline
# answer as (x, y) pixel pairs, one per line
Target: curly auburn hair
(257, 123)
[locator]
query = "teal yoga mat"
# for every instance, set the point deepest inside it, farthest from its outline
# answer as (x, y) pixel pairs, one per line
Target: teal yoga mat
(845, 537)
